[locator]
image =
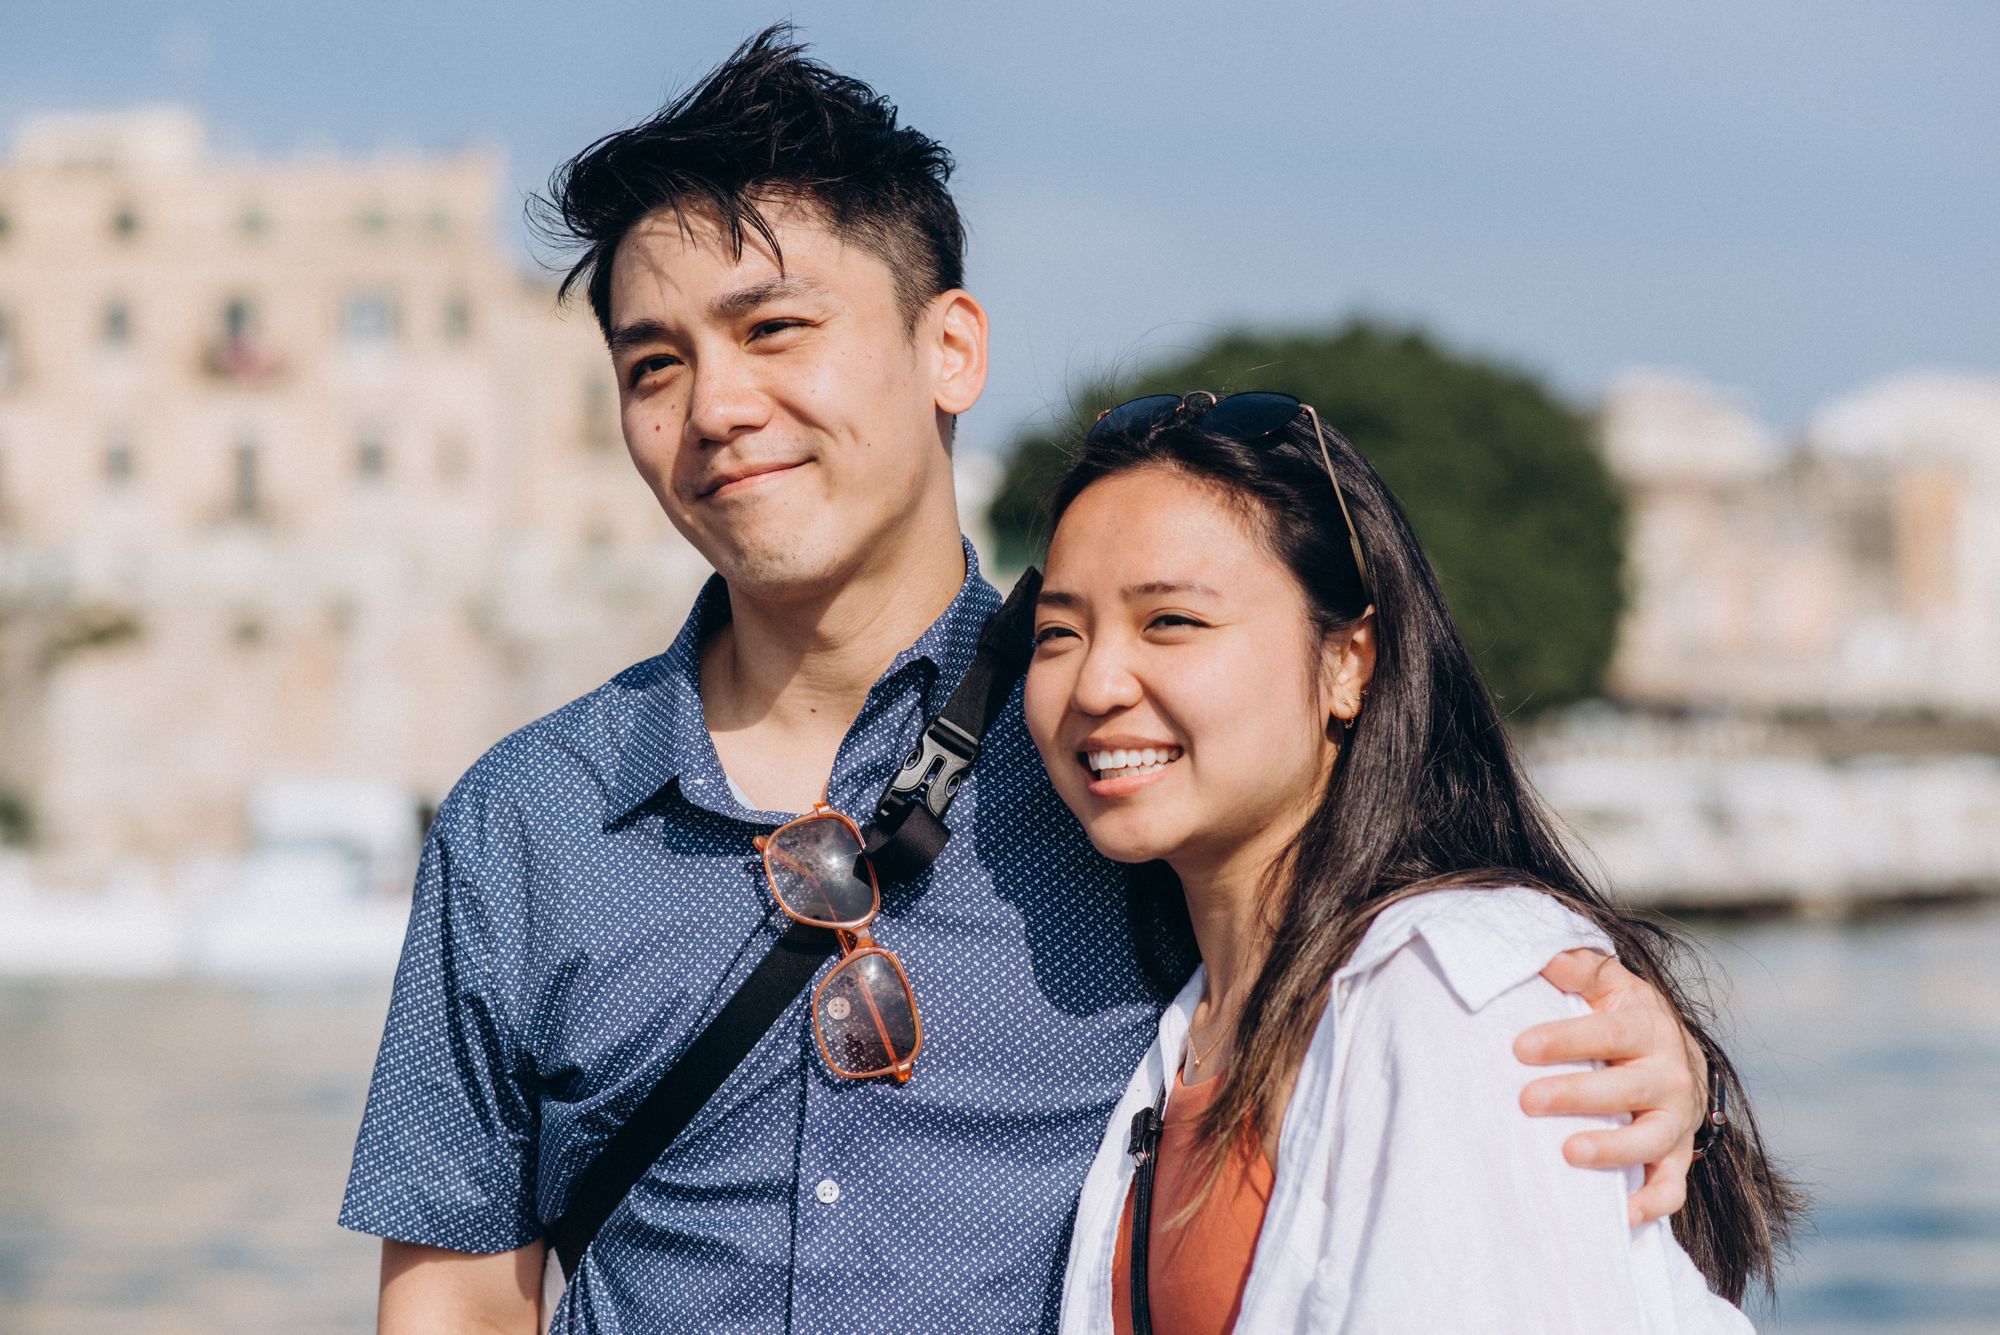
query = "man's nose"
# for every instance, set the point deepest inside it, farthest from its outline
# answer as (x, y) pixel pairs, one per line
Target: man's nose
(725, 400)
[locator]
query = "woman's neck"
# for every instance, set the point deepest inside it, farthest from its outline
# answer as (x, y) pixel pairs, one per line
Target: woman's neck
(1229, 903)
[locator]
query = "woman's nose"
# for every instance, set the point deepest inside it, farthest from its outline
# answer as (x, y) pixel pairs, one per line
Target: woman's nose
(1107, 681)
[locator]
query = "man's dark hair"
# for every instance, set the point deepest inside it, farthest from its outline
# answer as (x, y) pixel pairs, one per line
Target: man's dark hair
(767, 126)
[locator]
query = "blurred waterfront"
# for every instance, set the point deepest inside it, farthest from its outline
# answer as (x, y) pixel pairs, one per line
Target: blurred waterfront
(172, 1151)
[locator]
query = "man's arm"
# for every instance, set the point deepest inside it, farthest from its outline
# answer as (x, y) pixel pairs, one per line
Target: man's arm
(428, 1289)
(1653, 1070)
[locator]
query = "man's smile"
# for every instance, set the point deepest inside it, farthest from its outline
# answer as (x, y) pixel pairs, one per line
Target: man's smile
(746, 477)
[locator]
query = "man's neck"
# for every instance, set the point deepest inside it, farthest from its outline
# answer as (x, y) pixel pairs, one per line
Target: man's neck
(782, 682)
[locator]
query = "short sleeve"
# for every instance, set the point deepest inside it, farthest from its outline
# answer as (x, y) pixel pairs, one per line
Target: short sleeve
(1472, 1219)
(445, 1156)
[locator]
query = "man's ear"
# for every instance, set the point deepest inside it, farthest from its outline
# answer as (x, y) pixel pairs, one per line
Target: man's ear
(1347, 665)
(958, 342)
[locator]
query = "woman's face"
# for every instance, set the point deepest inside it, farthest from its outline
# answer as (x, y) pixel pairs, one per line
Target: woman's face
(1179, 693)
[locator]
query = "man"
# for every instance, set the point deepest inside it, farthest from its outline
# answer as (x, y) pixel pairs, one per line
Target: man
(776, 265)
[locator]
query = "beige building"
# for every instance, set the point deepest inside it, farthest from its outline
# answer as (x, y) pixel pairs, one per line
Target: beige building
(301, 477)
(1855, 572)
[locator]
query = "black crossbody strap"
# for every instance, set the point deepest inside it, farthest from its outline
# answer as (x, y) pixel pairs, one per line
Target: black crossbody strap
(1147, 1124)
(682, 1091)
(908, 831)
(907, 834)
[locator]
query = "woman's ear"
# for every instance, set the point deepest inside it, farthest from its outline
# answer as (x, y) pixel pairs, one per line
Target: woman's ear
(1347, 665)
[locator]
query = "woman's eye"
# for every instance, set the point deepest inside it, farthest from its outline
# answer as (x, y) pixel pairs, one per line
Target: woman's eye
(1048, 633)
(1172, 621)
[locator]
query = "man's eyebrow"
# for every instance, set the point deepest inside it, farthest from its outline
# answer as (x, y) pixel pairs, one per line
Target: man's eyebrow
(732, 305)
(636, 334)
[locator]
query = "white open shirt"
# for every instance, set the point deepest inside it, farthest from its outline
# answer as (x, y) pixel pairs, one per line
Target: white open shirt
(1412, 1193)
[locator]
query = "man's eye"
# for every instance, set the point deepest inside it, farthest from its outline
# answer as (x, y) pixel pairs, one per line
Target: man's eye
(767, 328)
(646, 366)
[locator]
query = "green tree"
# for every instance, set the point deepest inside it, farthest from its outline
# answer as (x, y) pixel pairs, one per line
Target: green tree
(1513, 503)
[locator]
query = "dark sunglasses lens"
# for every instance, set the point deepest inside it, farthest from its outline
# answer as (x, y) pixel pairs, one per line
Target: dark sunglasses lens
(1251, 416)
(866, 1019)
(1135, 416)
(817, 871)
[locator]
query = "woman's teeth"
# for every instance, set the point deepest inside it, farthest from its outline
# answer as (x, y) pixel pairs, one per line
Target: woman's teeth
(1119, 764)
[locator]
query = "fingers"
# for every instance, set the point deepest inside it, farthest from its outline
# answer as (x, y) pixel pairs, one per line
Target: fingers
(1598, 1036)
(1663, 1192)
(1605, 1092)
(1648, 1139)
(1590, 974)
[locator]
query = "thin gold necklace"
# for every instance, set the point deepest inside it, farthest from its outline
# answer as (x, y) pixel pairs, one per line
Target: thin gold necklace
(1214, 1043)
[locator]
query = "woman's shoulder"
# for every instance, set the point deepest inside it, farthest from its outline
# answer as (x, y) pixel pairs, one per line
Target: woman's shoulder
(1481, 942)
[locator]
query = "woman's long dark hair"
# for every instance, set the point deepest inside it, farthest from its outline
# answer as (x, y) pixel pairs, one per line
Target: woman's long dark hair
(1427, 792)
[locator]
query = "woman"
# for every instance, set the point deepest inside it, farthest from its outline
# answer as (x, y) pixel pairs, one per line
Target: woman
(1245, 677)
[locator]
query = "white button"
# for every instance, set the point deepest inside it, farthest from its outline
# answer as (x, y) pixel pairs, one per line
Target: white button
(828, 1191)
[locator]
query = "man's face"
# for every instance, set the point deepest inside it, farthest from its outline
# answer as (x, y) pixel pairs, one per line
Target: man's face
(786, 418)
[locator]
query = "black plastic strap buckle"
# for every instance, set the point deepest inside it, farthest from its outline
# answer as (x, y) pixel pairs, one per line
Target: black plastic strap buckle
(934, 770)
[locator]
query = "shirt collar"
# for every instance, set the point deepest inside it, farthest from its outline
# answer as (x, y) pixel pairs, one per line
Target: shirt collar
(669, 739)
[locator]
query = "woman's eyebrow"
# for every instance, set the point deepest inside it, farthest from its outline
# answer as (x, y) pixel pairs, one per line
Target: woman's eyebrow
(1156, 588)
(1160, 587)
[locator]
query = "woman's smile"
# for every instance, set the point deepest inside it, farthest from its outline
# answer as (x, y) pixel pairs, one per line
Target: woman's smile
(1119, 771)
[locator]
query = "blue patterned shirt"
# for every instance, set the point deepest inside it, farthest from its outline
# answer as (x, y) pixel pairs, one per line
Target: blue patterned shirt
(589, 896)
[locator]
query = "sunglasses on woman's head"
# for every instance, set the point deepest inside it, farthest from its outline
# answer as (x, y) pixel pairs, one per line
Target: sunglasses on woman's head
(1248, 418)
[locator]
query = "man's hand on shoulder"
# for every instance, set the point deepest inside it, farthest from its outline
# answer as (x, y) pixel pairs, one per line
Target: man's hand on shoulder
(426, 1290)
(1653, 1070)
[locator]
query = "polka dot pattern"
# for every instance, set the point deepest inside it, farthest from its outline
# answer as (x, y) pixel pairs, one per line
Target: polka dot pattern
(589, 896)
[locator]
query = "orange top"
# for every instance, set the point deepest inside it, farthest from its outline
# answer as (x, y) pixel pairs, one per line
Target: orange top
(1195, 1272)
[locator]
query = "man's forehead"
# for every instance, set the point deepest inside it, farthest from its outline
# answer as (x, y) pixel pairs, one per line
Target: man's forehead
(677, 256)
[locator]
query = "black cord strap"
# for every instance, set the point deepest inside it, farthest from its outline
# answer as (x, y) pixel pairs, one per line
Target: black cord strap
(1147, 1125)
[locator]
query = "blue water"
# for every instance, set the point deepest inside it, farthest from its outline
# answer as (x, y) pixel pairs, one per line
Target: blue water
(172, 1152)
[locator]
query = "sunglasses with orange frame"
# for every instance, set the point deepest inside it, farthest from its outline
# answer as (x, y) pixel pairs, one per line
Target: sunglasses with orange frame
(864, 1014)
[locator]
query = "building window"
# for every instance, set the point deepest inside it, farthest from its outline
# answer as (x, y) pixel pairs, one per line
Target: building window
(373, 218)
(457, 320)
(118, 460)
(253, 222)
(371, 456)
(1871, 534)
(117, 323)
(438, 220)
(368, 317)
(125, 222)
(238, 351)
(246, 501)
(6, 223)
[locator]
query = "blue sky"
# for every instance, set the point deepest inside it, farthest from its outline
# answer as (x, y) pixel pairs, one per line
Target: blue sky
(1790, 198)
